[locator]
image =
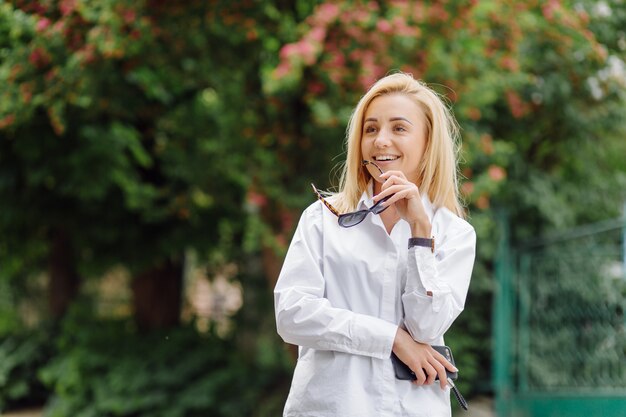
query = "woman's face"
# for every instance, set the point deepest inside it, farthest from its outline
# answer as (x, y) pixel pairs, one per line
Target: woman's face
(394, 135)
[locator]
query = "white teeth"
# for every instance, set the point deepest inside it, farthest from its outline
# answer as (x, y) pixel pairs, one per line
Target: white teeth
(386, 158)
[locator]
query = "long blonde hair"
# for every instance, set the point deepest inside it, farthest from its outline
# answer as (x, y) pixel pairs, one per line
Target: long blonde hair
(438, 169)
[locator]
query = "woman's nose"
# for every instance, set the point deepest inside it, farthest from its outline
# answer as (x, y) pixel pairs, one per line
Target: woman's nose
(382, 140)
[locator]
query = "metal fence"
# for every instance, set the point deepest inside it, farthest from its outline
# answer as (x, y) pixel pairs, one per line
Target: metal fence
(559, 324)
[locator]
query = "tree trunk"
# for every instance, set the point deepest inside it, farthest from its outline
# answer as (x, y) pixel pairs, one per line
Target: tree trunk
(64, 280)
(157, 296)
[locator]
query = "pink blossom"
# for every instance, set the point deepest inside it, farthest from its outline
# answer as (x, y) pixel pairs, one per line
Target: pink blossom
(437, 12)
(317, 34)
(334, 75)
(402, 5)
(49, 76)
(129, 16)
(67, 6)
(356, 33)
(316, 88)
(549, 8)
(39, 57)
(384, 26)
(518, 107)
(367, 80)
(306, 51)
(27, 93)
(256, 199)
(252, 34)
(338, 59)
(473, 113)
(282, 70)
(286, 220)
(509, 63)
(356, 55)
(287, 50)
(402, 29)
(482, 202)
(327, 12)
(486, 143)
(42, 24)
(88, 53)
(281, 240)
(7, 121)
(59, 26)
(467, 188)
(372, 6)
(360, 16)
(418, 12)
(368, 57)
(496, 173)
(303, 49)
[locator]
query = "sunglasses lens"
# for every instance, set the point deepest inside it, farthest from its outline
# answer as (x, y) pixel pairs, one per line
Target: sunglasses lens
(352, 219)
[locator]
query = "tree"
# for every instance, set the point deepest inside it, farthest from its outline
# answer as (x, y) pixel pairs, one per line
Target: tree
(123, 140)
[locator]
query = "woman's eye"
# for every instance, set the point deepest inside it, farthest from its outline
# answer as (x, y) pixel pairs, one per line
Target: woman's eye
(370, 129)
(400, 128)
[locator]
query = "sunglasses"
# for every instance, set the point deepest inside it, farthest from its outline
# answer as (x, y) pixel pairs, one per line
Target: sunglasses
(355, 217)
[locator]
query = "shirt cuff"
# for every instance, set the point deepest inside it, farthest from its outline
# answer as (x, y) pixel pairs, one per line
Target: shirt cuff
(374, 337)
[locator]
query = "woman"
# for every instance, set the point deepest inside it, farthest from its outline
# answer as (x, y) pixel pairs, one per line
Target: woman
(350, 292)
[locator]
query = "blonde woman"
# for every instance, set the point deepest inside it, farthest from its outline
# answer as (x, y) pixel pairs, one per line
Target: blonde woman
(382, 266)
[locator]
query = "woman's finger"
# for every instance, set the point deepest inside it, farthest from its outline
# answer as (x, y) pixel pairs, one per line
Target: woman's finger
(398, 174)
(441, 371)
(441, 366)
(442, 359)
(394, 189)
(394, 179)
(431, 372)
(399, 195)
(420, 376)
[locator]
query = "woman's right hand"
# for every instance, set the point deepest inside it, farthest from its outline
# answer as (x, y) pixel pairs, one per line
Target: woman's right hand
(421, 357)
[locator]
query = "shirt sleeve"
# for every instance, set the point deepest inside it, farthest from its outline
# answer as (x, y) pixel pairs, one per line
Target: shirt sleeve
(446, 274)
(305, 317)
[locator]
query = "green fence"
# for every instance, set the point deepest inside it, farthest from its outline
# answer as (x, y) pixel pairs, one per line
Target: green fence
(559, 324)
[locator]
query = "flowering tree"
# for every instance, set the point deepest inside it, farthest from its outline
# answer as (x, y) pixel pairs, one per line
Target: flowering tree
(124, 139)
(133, 130)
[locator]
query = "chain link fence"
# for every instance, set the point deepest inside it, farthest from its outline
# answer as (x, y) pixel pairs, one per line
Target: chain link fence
(559, 324)
(572, 297)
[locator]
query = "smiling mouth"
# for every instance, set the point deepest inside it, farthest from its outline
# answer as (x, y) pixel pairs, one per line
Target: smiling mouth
(385, 158)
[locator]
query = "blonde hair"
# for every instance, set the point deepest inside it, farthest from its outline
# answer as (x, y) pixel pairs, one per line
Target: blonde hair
(438, 176)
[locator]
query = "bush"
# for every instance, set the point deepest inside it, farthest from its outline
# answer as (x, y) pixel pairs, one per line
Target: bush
(108, 368)
(21, 355)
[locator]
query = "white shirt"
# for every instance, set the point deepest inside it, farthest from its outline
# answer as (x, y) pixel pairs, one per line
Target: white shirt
(341, 295)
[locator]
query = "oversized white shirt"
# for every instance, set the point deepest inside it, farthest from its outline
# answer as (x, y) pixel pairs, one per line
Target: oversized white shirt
(341, 295)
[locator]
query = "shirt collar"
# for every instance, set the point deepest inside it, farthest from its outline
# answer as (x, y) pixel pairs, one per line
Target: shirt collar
(367, 197)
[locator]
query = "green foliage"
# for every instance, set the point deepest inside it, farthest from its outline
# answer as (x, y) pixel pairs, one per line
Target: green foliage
(141, 129)
(21, 355)
(115, 371)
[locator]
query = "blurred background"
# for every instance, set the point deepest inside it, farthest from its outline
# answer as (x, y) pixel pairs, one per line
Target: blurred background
(155, 158)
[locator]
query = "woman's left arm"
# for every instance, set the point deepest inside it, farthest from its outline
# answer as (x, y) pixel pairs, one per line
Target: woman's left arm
(437, 283)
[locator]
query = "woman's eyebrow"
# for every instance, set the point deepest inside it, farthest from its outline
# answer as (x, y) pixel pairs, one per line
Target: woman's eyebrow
(395, 119)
